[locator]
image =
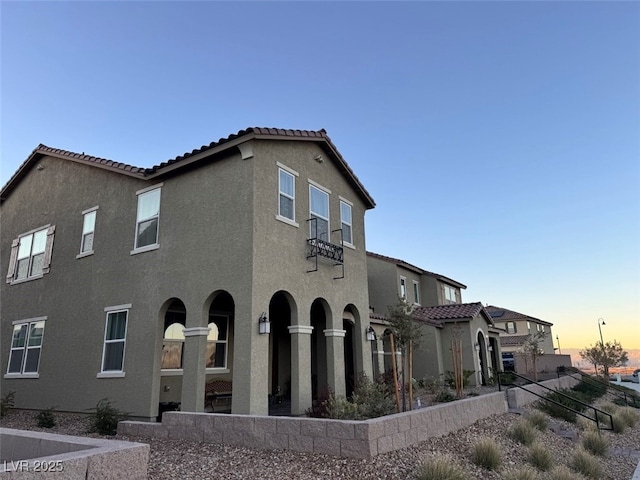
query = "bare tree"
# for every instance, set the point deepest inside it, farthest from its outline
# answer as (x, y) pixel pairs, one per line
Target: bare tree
(605, 355)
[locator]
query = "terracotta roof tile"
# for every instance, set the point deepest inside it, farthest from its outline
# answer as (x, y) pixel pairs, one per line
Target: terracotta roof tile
(448, 312)
(500, 314)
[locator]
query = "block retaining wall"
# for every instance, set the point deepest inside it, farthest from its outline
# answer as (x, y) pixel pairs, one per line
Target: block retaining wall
(517, 397)
(344, 438)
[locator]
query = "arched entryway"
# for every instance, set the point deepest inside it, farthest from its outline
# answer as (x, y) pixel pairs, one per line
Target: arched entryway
(350, 321)
(481, 348)
(319, 321)
(280, 316)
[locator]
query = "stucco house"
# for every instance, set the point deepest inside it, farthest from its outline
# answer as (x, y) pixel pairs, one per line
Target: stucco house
(241, 261)
(437, 306)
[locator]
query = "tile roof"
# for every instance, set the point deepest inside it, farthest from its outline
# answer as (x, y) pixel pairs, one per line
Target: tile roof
(419, 270)
(513, 340)
(504, 315)
(448, 312)
(233, 139)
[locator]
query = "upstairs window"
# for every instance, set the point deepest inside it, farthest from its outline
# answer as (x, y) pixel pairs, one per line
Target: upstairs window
(450, 295)
(403, 288)
(31, 255)
(115, 333)
(26, 344)
(510, 327)
(319, 209)
(147, 219)
(88, 228)
(416, 293)
(345, 218)
(287, 195)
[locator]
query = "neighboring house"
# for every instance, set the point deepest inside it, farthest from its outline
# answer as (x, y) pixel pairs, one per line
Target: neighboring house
(515, 329)
(142, 284)
(436, 302)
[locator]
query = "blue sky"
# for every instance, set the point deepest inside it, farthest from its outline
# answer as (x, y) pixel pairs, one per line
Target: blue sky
(500, 140)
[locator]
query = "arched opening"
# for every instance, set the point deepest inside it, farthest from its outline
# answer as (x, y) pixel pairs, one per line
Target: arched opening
(219, 339)
(482, 359)
(319, 378)
(349, 325)
(493, 352)
(280, 313)
(173, 322)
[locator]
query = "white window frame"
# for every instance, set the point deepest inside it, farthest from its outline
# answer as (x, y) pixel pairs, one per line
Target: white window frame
(25, 348)
(448, 289)
(14, 258)
(287, 171)
(514, 330)
(85, 216)
(349, 205)
(327, 192)
(151, 246)
(110, 311)
(403, 288)
(416, 292)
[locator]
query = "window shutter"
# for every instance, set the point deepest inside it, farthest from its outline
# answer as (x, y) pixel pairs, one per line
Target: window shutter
(12, 259)
(48, 249)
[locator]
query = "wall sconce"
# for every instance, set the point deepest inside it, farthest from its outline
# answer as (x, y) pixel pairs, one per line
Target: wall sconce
(490, 348)
(476, 346)
(371, 334)
(264, 324)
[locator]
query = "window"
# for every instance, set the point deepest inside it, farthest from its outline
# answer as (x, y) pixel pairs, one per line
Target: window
(319, 209)
(26, 343)
(172, 346)
(416, 293)
(287, 197)
(31, 255)
(510, 327)
(345, 219)
(217, 341)
(88, 227)
(403, 288)
(115, 332)
(450, 295)
(147, 220)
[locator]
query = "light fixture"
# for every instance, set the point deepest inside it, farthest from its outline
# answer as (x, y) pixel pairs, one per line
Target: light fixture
(264, 324)
(490, 348)
(476, 346)
(371, 334)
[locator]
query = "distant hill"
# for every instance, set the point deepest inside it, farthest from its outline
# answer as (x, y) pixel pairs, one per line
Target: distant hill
(579, 362)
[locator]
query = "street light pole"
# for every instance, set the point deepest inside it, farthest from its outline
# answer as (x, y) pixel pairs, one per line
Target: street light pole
(601, 322)
(559, 349)
(605, 367)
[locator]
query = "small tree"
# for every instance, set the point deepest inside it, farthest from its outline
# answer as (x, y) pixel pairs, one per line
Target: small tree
(406, 333)
(532, 351)
(605, 355)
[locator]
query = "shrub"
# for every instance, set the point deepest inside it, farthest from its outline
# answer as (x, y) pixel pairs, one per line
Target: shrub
(609, 408)
(105, 418)
(586, 464)
(523, 432)
(591, 389)
(430, 384)
(7, 402)
(540, 457)
(440, 468)
(46, 419)
(444, 395)
(319, 407)
(631, 402)
(449, 378)
(369, 400)
(593, 442)
(619, 423)
(629, 416)
(538, 420)
(486, 454)
(563, 473)
(566, 398)
(524, 473)
(341, 408)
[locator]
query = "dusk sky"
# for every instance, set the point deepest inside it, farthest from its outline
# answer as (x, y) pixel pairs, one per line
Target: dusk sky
(500, 140)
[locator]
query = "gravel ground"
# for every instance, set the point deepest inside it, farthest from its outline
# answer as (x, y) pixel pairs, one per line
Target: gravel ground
(188, 460)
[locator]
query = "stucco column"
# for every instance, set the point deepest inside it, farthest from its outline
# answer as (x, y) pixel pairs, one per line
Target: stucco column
(300, 368)
(194, 369)
(378, 349)
(335, 360)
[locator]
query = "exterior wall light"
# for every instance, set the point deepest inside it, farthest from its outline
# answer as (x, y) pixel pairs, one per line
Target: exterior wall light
(476, 346)
(264, 324)
(490, 348)
(371, 335)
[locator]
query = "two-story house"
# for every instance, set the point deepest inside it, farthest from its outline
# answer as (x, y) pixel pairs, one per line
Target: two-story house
(437, 306)
(243, 260)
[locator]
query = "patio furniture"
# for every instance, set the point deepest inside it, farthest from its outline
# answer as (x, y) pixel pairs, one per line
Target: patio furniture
(218, 395)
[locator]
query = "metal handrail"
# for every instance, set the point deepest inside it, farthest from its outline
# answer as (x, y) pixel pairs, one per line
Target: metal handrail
(595, 410)
(614, 389)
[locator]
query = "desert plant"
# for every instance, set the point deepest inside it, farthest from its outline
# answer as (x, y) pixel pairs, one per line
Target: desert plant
(540, 457)
(609, 408)
(524, 473)
(486, 454)
(341, 408)
(444, 396)
(538, 420)
(105, 418)
(593, 442)
(586, 464)
(318, 408)
(523, 432)
(440, 468)
(46, 419)
(564, 473)
(449, 378)
(374, 399)
(619, 423)
(629, 415)
(7, 402)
